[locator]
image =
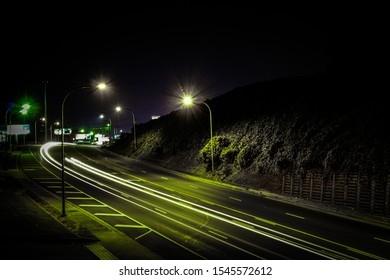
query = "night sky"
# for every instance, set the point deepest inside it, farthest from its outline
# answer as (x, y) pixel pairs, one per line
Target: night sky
(147, 55)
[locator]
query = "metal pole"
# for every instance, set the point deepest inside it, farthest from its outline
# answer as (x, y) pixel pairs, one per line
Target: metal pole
(45, 83)
(35, 131)
(211, 138)
(63, 214)
(135, 137)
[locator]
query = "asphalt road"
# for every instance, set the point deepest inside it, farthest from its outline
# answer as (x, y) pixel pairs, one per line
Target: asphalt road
(180, 216)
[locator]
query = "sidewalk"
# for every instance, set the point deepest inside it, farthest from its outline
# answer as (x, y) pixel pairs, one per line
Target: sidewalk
(32, 227)
(30, 233)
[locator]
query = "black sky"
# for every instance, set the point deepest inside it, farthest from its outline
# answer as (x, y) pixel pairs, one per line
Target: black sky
(147, 54)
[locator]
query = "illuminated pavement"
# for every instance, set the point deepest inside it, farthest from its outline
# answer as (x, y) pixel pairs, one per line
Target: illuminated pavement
(28, 232)
(33, 229)
(177, 216)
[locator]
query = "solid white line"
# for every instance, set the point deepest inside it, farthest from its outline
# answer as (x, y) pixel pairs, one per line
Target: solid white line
(130, 226)
(92, 205)
(237, 199)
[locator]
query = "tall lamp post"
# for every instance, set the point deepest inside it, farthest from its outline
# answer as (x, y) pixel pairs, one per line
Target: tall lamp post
(100, 87)
(118, 109)
(189, 101)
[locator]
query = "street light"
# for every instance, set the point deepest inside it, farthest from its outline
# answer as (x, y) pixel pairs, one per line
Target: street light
(118, 109)
(51, 130)
(100, 87)
(189, 101)
(102, 117)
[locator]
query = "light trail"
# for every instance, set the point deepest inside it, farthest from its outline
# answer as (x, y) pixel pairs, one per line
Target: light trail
(244, 224)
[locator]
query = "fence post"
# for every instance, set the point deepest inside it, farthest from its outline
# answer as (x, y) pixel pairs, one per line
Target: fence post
(358, 192)
(333, 186)
(372, 194)
(311, 186)
(387, 196)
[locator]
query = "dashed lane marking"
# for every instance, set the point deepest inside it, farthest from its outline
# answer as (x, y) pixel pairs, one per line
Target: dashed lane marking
(383, 240)
(295, 216)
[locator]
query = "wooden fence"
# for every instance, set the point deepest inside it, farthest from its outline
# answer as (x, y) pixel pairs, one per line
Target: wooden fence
(356, 191)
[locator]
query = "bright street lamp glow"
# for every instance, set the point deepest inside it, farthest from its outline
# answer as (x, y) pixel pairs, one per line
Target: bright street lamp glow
(118, 109)
(187, 100)
(102, 86)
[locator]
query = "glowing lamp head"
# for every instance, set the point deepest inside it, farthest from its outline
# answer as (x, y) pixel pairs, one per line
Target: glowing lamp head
(102, 86)
(188, 100)
(118, 109)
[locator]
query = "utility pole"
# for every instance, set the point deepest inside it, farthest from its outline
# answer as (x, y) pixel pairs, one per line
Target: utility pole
(45, 101)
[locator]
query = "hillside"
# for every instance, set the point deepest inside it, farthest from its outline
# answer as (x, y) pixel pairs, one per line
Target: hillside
(267, 128)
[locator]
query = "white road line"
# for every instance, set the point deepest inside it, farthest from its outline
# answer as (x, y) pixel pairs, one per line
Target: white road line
(75, 197)
(161, 211)
(217, 234)
(92, 205)
(237, 199)
(383, 240)
(295, 216)
(101, 252)
(129, 226)
(109, 214)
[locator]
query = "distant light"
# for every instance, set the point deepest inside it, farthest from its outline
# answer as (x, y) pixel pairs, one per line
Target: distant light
(101, 116)
(155, 117)
(26, 106)
(102, 86)
(118, 109)
(187, 100)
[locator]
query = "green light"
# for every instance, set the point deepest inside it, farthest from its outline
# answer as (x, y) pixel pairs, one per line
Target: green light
(82, 130)
(26, 106)
(25, 109)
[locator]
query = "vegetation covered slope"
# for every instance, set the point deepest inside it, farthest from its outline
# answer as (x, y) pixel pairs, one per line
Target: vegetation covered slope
(266, 128)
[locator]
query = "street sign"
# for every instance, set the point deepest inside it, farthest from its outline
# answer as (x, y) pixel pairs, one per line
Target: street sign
(67, 131)
(18, 129)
